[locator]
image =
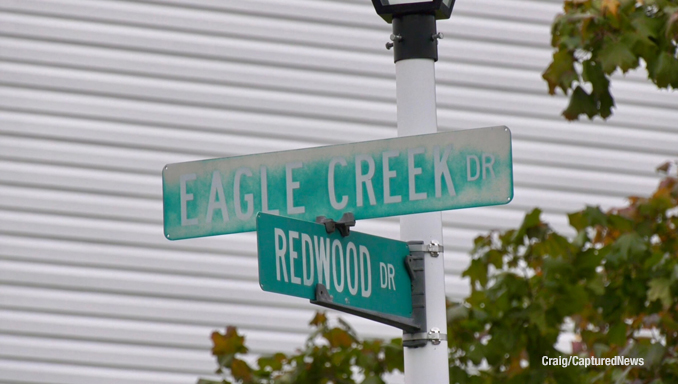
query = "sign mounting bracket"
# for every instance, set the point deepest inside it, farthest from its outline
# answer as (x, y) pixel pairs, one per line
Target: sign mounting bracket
(407, 324)
(343, 225)
(416, 324)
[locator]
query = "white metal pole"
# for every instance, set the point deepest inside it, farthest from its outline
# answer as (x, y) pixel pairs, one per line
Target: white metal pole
(416, 102)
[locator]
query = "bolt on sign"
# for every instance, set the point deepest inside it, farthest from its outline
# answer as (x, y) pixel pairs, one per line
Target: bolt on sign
(399, 176)
(360, 270)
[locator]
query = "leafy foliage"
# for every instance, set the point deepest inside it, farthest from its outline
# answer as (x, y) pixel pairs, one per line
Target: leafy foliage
(594, 38)
(614, 285)
(330, 355)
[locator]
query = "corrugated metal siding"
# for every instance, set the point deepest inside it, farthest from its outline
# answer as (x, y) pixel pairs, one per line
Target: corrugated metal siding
(96, 96)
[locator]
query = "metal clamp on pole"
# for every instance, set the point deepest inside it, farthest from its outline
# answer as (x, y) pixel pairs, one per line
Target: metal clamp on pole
(343, 225)
(433, 247)
(420, 339)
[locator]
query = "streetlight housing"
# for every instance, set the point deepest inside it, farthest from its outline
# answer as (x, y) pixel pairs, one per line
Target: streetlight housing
(388, 9)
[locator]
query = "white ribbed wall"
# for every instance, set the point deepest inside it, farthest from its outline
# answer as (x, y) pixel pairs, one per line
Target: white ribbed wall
(96, 96)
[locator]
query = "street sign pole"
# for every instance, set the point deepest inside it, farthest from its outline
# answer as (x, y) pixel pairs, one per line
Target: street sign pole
(416, 103)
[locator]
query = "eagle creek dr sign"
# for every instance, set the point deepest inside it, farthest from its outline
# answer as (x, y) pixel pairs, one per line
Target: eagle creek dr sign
(360, 270)
(414, 174)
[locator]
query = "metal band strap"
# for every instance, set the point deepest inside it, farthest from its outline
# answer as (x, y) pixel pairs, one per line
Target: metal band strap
(433, 335)
(430, 248)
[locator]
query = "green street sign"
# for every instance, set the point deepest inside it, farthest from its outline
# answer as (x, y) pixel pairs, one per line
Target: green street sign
(414, 174)
(359, 270)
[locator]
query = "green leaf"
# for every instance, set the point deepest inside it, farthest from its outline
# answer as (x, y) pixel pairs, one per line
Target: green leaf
(393, 355)
(660, 289)
(605, 104)
(319, 320)
(578, 221)
(573, 301)
(538, 318)
(532, 220)
(587, 261)
(617, 334)
(581, 239)
(241, 371)
(645, 26)
(275, 362)
(595, 216)
(653, 260)
(594, 74)
(495, 257)
(373, 380)
(476, 353)
(666, 71)
(338, 338)
(654, 355)
(229, 343)
(555, 246)
(580, 103)
(628, 246)
(596, 284)
(477, 271)
(561, 72)
(620, 223)
(617, 54)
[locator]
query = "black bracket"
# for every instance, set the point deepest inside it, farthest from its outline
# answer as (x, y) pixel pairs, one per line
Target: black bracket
(414, 264)
(343, 225)
(323, 298)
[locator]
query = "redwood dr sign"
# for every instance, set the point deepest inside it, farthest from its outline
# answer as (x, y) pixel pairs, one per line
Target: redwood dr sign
(360, 270)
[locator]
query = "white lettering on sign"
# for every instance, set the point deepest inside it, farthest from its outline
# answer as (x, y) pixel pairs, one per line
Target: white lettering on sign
(184, 198)
(412, 172)
(473, 166)
(476, 161)
(338, 254)
(488, 162)
(442, 170)
(349, 266)
(264, 193)
(291, 186)
(322, 259)
(330, 184)
(307, 254)
(365, 270)
(388, 174)
(293, 256)
(352, 257)
(250, 192)
(365, 179)
(387, 276)
(216, 191)
(249, 198)
(280, 251)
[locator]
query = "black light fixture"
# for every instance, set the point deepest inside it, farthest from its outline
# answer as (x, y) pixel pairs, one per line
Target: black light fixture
(414, 26)
(388, 9)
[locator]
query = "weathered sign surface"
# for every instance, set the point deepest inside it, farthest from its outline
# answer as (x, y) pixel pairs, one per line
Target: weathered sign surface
(414, 174)
(359, 270)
